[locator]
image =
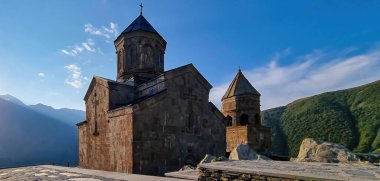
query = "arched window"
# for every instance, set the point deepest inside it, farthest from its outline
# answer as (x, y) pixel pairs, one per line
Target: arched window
(95, 102)
(132, 56)
(257, 119)
(119, 62)
(244, 119)
(147, 57)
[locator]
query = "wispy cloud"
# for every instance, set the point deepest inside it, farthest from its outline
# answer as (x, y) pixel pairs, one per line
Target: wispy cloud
(75, 50)
(75, 78)
(312, 74)
(41, 74)
(88, 45)
(107, 32)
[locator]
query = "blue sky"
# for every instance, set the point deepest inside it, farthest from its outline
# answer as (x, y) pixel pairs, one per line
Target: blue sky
(49, 50)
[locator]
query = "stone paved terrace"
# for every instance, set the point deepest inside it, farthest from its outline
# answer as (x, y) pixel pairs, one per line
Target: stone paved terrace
(187, 174)
(281, 170)
(49, 172)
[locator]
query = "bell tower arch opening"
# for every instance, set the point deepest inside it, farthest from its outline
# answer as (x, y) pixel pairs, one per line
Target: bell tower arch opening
(244, 120)
(229, 120)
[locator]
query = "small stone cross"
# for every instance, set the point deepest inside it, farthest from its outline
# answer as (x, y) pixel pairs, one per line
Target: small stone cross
(141, 6)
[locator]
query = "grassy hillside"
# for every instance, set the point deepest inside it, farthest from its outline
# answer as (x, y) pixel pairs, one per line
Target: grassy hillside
(350, 117)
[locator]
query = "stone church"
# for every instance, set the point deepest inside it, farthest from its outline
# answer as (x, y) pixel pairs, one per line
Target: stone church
(241, 106)
(148, 121)
(151, 121)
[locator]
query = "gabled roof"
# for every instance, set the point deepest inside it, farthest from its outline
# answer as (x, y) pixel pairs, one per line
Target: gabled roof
(140, 23)
(196, 74)
(100, 80)
(240, 86)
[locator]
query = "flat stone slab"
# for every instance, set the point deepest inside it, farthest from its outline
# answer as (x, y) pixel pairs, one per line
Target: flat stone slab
(298, 170)
(188, 174)
(50, 172)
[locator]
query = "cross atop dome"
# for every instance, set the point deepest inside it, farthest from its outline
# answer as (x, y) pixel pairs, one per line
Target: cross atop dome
(141, 6)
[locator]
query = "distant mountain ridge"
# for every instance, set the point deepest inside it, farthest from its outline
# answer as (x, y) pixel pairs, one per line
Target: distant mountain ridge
(12, 99)
(37, 134)
(69, 116)
(350, 117)
(66, 115)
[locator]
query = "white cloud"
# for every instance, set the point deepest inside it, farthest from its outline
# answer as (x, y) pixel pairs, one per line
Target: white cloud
(68, 52)
(88, 45)
(75, 50)
(311, 74)
(75, 78)
(107, 32)
(41, 74)
(79, 48)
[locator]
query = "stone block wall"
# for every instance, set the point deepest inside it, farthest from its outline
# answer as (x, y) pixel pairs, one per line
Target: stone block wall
(120, 138)
(105, 141)
(259, 138)
(176, 127)
(226, 175)
(236, 135)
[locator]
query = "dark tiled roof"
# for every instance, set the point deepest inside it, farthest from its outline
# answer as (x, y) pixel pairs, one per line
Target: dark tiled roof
(240, 86)
(140, 23)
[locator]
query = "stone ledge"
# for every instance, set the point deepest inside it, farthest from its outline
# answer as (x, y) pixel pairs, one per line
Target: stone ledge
(190, 175)
(279, 170)
(52, 173)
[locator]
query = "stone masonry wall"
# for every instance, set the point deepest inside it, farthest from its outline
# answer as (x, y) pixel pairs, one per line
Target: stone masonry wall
(106, 146)
(236, 135)
(226, 175)
(176, 127)
(260, 138)
(120, 136)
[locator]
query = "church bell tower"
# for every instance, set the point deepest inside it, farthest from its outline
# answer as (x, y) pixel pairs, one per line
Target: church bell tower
(140, 52)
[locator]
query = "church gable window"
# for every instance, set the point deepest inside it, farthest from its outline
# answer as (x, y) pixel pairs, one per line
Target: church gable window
(190, 123)
(95, 102)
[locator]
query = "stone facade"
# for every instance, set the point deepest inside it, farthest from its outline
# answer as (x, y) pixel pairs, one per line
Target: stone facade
(241, 106)
(148, 121)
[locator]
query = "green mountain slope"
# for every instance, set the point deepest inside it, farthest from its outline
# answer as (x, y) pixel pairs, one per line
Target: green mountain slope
(350, 117)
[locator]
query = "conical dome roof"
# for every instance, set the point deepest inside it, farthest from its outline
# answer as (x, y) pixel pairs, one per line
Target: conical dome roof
(140, 23)
(240, 86)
